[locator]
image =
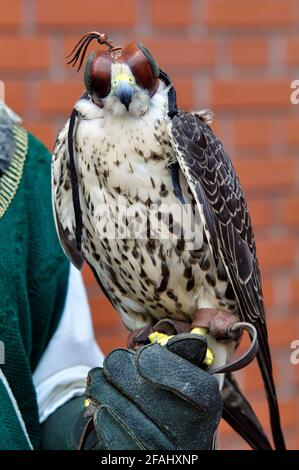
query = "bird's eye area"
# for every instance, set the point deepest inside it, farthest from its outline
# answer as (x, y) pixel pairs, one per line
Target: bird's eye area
(142, 67)
(97, 75)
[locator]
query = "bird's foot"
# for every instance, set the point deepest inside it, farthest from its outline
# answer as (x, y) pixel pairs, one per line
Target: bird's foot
(218, 323)
(209, 359)
(162, 339)
(215, 322)
(225, 327)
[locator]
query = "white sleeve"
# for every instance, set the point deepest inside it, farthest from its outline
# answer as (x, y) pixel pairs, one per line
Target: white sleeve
(71, 352)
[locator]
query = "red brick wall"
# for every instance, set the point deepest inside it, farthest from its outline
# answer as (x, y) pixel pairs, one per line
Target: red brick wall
(237, 57)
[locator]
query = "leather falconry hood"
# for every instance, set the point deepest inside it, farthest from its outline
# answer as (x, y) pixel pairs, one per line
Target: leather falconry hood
(97, 74)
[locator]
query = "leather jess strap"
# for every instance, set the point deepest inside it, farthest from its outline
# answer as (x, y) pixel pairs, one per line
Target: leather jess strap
(223, 326)
(245, 358)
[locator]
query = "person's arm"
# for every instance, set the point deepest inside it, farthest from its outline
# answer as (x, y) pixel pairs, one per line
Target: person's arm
(44, 315)
(70, 354)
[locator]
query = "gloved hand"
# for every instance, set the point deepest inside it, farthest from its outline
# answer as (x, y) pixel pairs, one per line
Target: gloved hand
(151, 399)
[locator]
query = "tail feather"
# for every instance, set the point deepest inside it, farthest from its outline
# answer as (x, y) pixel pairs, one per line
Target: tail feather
(238, 413)
(265, 364)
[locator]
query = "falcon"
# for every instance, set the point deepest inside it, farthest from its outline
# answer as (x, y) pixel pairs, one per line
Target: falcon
(146, 194)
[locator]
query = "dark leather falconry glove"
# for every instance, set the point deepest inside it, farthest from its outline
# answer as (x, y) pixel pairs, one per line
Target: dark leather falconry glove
(150, 399)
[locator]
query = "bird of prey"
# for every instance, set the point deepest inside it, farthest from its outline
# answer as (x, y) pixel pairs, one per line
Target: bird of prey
(127, 144)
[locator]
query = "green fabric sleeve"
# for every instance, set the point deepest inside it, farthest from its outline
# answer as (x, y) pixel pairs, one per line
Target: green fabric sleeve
(34, 279)
(56, 430)
(12, 436)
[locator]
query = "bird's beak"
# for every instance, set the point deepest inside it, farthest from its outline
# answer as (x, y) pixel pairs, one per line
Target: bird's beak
(124, 89)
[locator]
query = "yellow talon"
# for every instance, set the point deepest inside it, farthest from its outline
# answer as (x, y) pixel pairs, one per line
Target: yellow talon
(86, 402)
(162, 339)
(199, 330)
(209, 359)
(159, 338)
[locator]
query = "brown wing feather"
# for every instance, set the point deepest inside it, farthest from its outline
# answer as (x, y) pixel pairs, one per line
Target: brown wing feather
(68, 244)
(215, 185)
(238, 413)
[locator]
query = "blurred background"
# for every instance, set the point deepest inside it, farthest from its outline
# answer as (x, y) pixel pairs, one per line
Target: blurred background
(237, 57)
